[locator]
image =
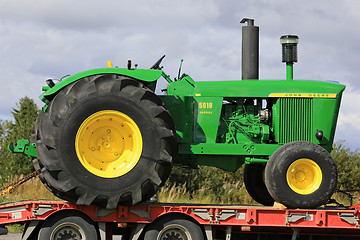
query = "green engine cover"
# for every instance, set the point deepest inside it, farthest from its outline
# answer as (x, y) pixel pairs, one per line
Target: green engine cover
(225, 123)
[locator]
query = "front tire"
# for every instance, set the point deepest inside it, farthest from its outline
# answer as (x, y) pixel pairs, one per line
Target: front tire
(105, 140)
(301, 175)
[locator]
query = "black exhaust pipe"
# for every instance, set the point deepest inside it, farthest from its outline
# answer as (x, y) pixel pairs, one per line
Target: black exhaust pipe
(250, 50)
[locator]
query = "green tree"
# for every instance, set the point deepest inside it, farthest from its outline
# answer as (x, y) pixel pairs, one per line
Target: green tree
(348, 164)
(24, 115)
(3, 130)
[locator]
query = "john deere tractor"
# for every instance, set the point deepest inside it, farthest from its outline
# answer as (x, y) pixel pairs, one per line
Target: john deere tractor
(104, 137)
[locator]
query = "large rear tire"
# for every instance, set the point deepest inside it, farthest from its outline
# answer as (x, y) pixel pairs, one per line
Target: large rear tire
(106, 140)
(301, 175)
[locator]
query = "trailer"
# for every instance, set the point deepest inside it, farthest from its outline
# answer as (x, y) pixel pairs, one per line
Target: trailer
(63, 220)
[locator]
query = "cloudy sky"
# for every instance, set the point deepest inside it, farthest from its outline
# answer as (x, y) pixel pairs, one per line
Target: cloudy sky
(48, 39)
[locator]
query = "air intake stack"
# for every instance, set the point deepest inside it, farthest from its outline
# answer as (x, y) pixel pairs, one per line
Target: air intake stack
(250, 50)
(289, 53)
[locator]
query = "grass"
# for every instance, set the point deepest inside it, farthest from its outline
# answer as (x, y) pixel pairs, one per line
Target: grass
(179, 194)
(33, 189)
(231, 193)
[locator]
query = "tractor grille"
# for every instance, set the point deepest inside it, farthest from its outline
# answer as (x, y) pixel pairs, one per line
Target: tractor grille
(295, 119)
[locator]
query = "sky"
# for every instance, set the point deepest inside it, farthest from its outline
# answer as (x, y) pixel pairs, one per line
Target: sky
(43, 39)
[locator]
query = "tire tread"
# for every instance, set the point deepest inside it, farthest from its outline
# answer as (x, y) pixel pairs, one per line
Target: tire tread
(48, 126)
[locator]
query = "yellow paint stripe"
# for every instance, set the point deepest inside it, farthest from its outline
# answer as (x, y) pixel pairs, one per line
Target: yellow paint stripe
(304, 95)
(197, 94)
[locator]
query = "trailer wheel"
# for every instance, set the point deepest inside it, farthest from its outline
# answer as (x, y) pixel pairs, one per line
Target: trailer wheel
(254, 181)
(301, 175)
(173, 228)
(105, 140)
(68, 226)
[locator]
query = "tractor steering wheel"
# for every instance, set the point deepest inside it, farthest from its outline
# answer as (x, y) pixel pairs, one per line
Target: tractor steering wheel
(157, 64)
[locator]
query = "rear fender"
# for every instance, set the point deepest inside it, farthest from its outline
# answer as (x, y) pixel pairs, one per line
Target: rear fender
(147, 76)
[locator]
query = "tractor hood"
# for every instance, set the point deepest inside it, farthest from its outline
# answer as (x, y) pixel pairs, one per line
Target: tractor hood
(258, 89)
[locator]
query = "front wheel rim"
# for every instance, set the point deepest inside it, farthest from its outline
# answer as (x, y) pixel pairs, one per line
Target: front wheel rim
(304, 176)
(108, 144)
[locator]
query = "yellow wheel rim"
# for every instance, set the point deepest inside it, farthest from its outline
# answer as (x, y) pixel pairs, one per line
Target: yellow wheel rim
(304, 176)
(108, 144)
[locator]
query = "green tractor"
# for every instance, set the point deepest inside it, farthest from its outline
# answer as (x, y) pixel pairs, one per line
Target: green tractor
(104, 137)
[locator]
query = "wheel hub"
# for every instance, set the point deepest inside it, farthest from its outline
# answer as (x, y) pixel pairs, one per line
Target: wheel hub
(67, 231)
(108, 144)
(304, 176)
(174, 232)
(300, 176)
(66, 236)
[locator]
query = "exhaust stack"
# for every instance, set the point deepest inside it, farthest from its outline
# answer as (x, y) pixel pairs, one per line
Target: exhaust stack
(250, 50)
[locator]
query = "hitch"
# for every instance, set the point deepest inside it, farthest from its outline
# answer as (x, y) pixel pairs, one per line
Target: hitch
(22, 147)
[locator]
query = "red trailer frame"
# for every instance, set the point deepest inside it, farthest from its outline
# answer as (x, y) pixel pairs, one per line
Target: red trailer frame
(212, 218)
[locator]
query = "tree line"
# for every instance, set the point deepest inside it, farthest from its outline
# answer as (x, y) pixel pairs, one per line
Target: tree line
(24, 115)
(206, 179)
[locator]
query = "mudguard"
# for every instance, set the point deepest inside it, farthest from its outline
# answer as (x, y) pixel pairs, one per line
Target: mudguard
(144, 75)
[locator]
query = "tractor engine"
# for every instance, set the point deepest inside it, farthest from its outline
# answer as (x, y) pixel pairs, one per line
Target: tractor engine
(244, 120)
